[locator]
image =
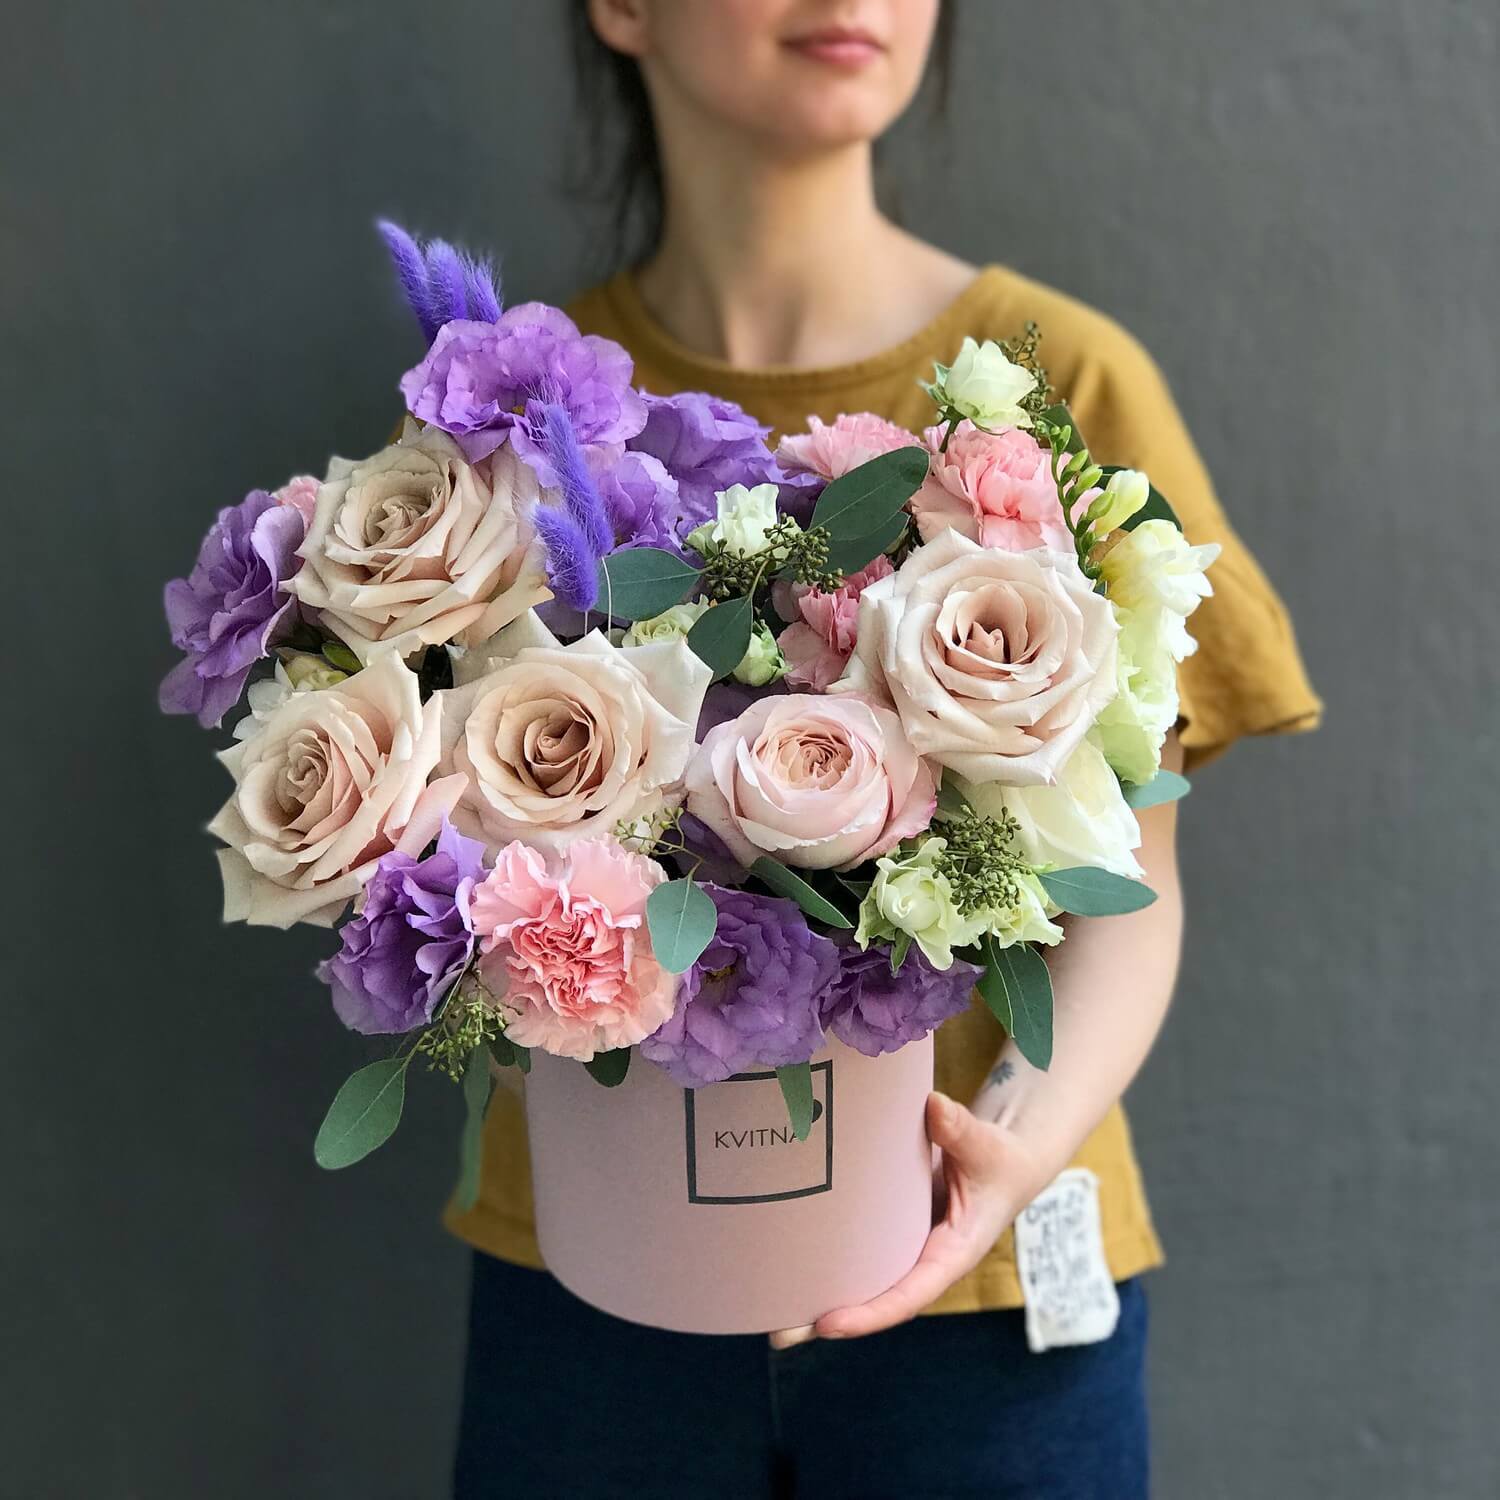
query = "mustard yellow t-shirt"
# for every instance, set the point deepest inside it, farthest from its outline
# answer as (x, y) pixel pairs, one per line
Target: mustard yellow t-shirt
(1246, 677)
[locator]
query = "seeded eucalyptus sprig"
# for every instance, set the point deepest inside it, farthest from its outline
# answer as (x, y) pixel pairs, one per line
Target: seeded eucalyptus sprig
(789, 551)
(981, 860)
(469, 1018)
(1021, 350)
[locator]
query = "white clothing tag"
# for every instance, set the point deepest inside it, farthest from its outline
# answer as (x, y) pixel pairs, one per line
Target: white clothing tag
(1070, 1296)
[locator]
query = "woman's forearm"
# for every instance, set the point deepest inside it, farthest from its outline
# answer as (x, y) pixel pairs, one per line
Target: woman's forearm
(1112, 980)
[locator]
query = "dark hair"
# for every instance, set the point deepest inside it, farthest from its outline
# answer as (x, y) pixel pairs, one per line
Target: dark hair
(620, 162)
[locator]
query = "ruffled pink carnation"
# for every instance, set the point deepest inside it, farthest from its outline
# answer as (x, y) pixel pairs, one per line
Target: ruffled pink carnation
(818, 646)
(566, 948)
(832, 449)
(994, 487)
(301, 493)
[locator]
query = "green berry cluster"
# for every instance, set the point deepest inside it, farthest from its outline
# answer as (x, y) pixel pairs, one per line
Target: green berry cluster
(469, 1019)
(981, 861)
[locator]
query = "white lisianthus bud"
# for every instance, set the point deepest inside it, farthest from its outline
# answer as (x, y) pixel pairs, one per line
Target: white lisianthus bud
(984, 386)
(1127, 491)
(745, 516)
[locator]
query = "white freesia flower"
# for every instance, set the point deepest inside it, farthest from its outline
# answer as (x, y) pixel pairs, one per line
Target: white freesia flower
(1082, 819)
(1154, 567)
(1125, 493)
(984, 386)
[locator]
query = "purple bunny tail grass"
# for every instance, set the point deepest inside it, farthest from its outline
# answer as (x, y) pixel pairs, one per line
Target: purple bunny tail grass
(553, 425)
(445, 279)
(482, 284)
(411, 268)
(572, 564)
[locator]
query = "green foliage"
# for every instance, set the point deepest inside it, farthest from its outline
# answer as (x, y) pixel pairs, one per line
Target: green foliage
(638, 583)
(850, 556)
(860, 502)
(510, 1054)
(899, 949)
(1165, 786)
(337, 654)
(1017, 987)
(786, 883)
(1089, 892)
(797, 1090)
(476, 1088)
(364, 1114)
(721, 635)
(682, 919)
(610, 1068)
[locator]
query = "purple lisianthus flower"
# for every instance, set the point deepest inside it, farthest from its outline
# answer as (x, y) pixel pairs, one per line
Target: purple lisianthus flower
(642, 500)
(479, 378)
(752, 998)
(708, 444)
(229, 611)
(411, 940)
(874, 1011)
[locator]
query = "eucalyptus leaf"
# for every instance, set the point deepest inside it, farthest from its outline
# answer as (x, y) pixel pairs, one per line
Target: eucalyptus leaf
(610, 1068)
(1017, 987)
(950, 801)
(899, 949)
(785, 883)
(863, 500)
(509, 1054)
(797, 1090)
(721, 635)
(856, 553)
(364, 1113)
(337, 654)
(1089, 892)
(476, 1089)
(1165, 786)
(639, 582)
(682, 919)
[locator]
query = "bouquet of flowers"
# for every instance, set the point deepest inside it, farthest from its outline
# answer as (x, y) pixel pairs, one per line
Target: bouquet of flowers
(609, 731)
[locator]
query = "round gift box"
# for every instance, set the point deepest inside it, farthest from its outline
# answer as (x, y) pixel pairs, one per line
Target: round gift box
(698, 1210)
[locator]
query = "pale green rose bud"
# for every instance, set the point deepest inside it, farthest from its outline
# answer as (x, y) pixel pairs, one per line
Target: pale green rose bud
(1026, 921)
(745, 516)
(701, 538)
(984, 386)
(910, 895)
(307, 673)
(670, 625)
(763, 662)
(1127, 491)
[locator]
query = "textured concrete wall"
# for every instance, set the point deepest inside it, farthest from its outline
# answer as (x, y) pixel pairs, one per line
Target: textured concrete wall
(1294, 205)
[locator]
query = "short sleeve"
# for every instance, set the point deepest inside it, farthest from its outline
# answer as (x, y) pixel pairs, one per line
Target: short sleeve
(1247, 675)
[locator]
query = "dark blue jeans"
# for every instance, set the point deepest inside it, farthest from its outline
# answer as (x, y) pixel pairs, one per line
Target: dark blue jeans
(561, 1400)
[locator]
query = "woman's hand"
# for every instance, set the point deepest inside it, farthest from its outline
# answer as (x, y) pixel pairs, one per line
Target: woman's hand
(986, 1176)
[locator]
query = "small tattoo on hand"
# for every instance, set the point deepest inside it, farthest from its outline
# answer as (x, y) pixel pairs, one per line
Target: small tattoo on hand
(1002, 1072)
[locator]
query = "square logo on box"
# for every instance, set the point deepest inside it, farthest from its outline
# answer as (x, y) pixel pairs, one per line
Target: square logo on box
(740, 1146)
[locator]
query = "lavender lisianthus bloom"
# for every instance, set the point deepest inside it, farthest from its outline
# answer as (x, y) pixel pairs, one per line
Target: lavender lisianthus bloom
(752, 999)
(478, 379)
(874, 1011)
(411, 940)
(229, 611)
(643, 501)
(709, 444)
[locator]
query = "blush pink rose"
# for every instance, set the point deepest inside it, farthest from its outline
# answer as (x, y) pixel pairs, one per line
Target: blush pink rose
(995, 488)
(818, 782)
(301, 493)
(833, 448)
(817, 647)
(566, 950)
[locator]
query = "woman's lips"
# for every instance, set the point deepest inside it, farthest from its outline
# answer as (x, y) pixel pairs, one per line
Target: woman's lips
(837, 47)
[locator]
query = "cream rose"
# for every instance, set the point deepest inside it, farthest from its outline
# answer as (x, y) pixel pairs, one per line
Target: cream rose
(997, 662)
(813, 781)
(416, 546)
(563, 742)
(333, 779)
(1082, 819)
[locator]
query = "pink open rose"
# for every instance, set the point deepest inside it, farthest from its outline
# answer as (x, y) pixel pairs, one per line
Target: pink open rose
(994, 487)
(563, 742)
(566, 948)
(818, 782)
(333, 779)
(833, 448)
(416, 546)
(997, 662)
(817, 646)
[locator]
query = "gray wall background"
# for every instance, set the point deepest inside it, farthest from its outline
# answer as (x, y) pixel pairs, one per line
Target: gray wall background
(1293, 204)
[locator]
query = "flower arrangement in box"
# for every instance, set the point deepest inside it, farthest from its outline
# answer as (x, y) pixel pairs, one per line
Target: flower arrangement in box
(612, 734)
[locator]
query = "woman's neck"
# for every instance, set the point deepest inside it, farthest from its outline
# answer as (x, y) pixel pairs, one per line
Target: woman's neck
(773, 261)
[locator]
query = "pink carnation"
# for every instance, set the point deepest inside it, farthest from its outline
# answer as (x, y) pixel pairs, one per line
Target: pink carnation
(994, 487)
(834, 449)
(567, 950)
(818, 646)
(301, 493)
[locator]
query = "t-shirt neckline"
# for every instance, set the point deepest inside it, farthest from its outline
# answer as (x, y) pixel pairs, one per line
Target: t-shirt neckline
(647, 339)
